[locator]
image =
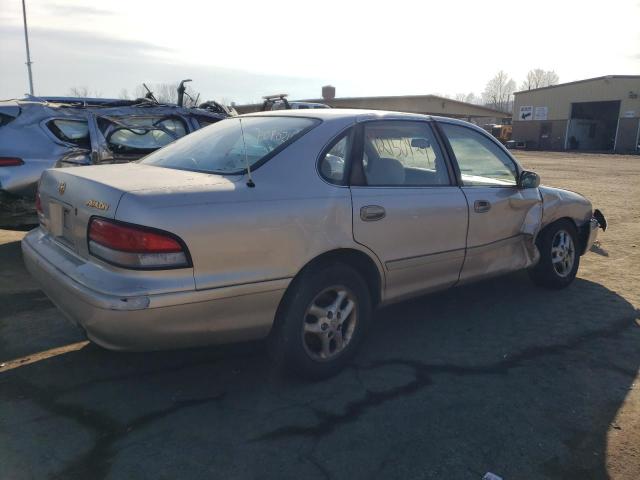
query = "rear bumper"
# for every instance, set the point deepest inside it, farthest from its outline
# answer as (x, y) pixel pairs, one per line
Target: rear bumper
(157, 321)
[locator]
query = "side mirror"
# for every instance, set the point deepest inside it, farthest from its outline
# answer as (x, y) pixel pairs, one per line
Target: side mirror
(529, 179)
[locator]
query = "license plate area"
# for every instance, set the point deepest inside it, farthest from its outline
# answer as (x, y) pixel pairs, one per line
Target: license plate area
(60, 223)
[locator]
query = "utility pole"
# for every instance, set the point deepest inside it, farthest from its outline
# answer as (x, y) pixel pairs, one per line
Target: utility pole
(26, 42)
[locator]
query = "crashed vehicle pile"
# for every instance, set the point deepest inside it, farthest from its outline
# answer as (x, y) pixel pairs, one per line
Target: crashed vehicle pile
(39, 133)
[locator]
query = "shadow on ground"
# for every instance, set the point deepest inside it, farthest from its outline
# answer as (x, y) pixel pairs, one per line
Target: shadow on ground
(28, 320)
(496, 377)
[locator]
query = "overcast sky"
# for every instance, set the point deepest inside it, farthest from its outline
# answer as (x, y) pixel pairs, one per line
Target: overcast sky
(243, 49)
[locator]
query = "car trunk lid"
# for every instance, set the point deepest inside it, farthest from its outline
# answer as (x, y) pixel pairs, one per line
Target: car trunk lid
(71, 196)
(69, 200)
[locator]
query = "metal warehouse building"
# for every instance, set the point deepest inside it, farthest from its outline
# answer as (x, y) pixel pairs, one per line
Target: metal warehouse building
(597, 114)
(424, 104)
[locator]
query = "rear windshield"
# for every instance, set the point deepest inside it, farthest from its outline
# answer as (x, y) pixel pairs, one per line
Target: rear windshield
(151, 133)
(229, 145)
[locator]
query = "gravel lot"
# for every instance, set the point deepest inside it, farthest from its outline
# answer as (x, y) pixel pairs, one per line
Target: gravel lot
(499, 377)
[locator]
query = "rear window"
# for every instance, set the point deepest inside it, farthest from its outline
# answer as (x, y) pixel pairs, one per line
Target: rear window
(71, 131)
(140, 135)
(5, 119)
(8, 113)
(229, 145)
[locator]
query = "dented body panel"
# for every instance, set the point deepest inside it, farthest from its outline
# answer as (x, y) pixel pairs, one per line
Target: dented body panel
(501, 240)
(248, 242)
(558, 203)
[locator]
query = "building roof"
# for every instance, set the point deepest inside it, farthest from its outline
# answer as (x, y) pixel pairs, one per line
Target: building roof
(492, 111)
(423, 104)
(605, 77)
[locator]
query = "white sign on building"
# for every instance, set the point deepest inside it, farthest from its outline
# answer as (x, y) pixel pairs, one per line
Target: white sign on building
(526, 113)
(540, 113)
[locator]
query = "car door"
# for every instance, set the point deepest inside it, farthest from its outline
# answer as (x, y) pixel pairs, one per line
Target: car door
(503, 218)
(406, 207)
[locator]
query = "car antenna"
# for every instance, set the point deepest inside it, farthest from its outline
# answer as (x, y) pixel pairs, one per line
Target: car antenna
(246, 159)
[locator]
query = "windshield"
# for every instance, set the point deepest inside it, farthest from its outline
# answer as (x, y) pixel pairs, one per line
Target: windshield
(229, 145)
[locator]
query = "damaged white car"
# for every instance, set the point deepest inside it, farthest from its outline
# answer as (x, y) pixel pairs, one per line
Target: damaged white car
(39, 133)
(295, 225)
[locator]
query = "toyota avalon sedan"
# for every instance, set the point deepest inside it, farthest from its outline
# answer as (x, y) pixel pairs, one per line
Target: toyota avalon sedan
(294, 225)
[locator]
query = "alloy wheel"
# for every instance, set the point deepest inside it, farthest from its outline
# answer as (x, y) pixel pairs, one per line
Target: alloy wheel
(563, 253)
(330, 322)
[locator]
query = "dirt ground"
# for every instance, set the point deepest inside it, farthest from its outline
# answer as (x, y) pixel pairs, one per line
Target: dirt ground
(498, 377)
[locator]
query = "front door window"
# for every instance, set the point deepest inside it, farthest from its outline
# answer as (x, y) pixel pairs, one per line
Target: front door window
(481, 161)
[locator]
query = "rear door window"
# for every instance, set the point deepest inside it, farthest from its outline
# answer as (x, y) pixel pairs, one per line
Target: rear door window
(402, 153)
(71, 131)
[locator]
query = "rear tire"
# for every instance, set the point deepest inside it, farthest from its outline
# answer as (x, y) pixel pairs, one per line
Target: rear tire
(322, 321)
(559, 256)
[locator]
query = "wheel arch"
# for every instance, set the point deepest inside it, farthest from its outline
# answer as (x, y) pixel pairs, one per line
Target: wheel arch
(580, 231)
(360, 261)
(356, 259)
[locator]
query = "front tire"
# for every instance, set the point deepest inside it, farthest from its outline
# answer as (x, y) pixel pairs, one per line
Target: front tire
(322, 321)
(559, 256)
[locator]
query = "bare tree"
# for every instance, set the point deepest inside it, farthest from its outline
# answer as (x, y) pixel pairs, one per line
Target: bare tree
(84, 92)
(139, 91)
(168, 93)
(538, 78)
(225, 101)
(124, 94)
(499, 92)
(165, 92)
(466, 97)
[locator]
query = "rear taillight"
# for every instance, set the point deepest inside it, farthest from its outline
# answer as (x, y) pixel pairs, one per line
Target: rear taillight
(10, 162)
(134, 246)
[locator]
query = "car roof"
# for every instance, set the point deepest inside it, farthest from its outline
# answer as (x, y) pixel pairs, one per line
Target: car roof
(358, 115)
(330, 113)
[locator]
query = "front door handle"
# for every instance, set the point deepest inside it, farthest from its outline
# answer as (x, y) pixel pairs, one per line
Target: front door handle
(482, 206)
(371, 213)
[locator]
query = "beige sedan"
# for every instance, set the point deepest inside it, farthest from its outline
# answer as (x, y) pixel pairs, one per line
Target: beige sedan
(294, 226)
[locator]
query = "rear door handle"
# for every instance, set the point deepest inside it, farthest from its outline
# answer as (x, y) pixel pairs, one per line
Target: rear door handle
(371, 213)
(482, 206)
